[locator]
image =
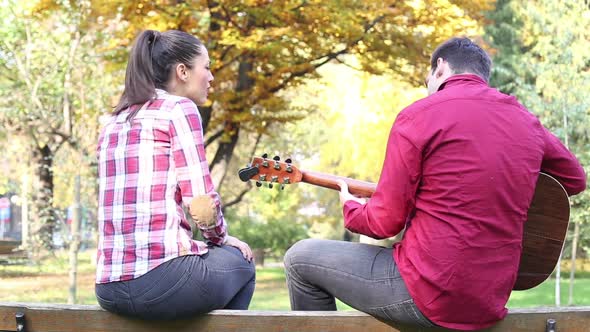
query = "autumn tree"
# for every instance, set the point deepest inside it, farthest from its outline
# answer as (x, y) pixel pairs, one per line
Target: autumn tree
(260, 48)
(51, 93)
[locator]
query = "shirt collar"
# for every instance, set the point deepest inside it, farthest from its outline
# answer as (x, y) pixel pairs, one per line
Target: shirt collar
(459, 78)
(122, 117)
(161, 92)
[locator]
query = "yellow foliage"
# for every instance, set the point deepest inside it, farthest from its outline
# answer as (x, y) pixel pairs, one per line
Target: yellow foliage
(286, 43)
(357, 110)
(288, 40)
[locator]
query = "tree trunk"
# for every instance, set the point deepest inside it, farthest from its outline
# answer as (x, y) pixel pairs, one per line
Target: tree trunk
(347, 236)
(74, 243)
(258, 254)
(212, 40)
(557, 283)
(220, 163)
(558, 272)
(573, 265)
(42, 233)
(225, 150)
(25, 241)
(205, 116)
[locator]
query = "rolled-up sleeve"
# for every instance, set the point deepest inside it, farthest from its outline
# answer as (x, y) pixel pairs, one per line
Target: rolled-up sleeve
(385, 214)
(560, 163)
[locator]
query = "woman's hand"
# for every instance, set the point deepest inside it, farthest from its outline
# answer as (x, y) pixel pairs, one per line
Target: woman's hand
(243, 246)
(345, 195)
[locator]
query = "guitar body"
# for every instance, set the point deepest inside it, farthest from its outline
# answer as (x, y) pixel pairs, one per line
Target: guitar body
(543, 235)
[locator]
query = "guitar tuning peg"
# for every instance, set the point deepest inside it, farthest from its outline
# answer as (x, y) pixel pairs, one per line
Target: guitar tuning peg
(258, 184)
(269, 185)
(276, 158)
(247, 173)
(265, 155)
(288, 160)
(282, 186)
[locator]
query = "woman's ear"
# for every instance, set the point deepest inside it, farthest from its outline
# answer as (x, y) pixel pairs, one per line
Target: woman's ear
(181, 72)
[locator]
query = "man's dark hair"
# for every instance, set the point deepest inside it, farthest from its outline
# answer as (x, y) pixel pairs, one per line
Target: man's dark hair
(151, 63)
(463, 55)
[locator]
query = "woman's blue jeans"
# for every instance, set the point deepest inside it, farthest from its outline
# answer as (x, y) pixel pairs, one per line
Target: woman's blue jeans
(184, 286)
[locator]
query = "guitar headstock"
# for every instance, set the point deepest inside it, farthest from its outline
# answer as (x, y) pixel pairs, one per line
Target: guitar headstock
(271, 171)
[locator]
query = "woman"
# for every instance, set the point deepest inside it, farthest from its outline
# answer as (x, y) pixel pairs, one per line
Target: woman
(152, 164)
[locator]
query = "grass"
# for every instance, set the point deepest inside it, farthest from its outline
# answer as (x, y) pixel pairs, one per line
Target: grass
(271, 291)
(544, 294)
(49, 282)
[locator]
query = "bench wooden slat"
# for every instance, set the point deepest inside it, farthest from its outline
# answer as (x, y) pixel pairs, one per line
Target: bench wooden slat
(8, 246)
(91, 318)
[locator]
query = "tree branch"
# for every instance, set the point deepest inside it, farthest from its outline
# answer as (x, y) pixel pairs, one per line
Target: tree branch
(303, 3)
(31, 133)
(214, 137)
(23, 69)
(239, 197)
(228, 19)
(256, 143)
(67, 114)
(348, 65)
(8, 72)
(229, 62)
(65, 138)
(164, 10)
(326, 58)
(226, 52)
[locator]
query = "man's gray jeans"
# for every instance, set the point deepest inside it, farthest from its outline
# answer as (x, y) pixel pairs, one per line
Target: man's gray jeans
(363, 276)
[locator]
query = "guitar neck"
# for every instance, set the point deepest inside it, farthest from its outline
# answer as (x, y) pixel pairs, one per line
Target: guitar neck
(356, 187)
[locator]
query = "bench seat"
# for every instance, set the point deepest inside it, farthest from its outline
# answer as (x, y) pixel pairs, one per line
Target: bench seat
(43, 317)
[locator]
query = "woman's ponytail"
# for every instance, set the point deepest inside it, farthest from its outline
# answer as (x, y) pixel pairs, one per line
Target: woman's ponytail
(139, 77)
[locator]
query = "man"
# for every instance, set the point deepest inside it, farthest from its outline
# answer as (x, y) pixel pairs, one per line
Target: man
(459, 175)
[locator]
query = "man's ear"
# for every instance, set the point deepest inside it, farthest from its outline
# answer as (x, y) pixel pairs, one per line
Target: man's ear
(440, 69)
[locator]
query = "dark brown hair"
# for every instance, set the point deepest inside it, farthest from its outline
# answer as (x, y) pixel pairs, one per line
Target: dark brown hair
(151, 62)
(463, 55)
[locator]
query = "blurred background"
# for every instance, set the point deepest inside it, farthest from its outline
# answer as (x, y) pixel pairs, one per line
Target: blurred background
(319, 82)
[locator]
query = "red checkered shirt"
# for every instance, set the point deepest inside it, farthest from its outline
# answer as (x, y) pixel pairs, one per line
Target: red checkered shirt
(148, 169)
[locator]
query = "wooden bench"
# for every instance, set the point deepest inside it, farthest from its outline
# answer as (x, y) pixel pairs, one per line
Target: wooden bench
(10, 252)
(91, 318)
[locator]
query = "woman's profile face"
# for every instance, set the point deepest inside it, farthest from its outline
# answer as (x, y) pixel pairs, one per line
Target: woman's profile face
(199, 78)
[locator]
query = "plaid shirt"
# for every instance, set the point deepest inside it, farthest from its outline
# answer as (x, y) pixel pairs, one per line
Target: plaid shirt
(148, 169)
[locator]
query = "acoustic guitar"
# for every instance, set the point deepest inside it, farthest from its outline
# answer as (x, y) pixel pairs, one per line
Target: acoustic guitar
(544, 231)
